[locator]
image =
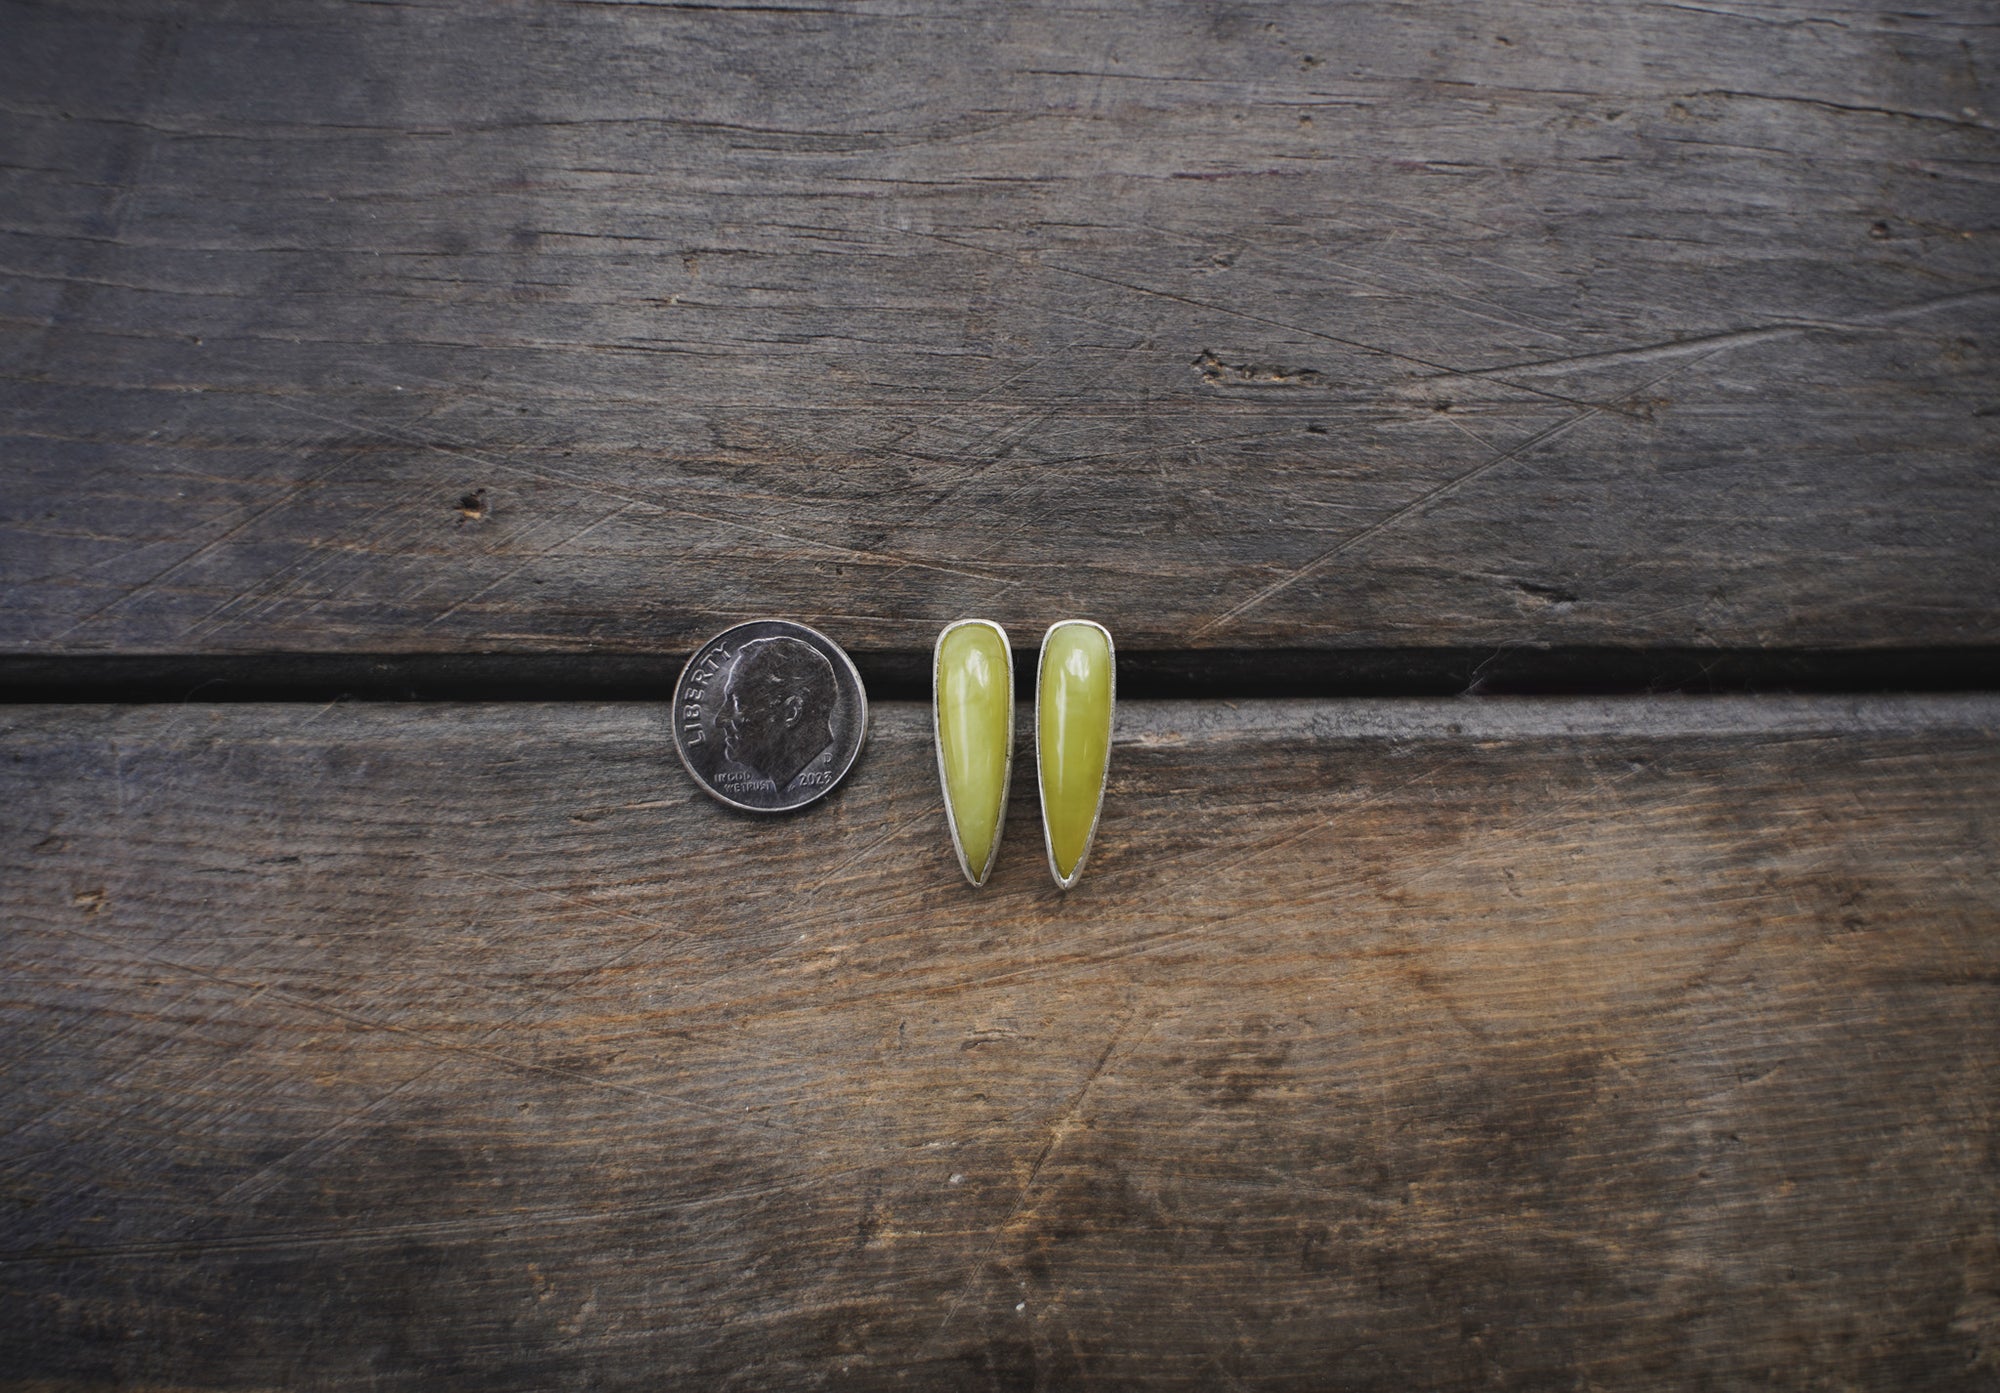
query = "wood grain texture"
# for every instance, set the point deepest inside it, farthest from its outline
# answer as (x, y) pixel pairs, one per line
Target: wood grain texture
(550, 328)
(1435, 1045)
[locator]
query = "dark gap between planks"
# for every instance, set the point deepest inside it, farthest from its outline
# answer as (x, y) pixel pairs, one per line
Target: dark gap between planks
(905, 676)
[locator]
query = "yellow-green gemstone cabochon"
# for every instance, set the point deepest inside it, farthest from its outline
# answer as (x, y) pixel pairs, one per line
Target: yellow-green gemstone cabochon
(975, 720)
(1074, 717)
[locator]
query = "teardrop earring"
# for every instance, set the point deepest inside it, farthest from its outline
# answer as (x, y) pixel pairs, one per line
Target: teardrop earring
(972, 720)
(1076, 691)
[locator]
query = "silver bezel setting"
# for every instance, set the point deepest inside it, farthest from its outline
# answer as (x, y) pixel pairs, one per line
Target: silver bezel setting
(861, 717)
(937, 742)
(1041, 791)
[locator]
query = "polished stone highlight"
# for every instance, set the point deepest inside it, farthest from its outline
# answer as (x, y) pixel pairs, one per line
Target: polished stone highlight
(973, 696)
(1073, 702)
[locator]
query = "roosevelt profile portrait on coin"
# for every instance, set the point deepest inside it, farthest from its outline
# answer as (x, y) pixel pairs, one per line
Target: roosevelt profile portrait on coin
(777, 708)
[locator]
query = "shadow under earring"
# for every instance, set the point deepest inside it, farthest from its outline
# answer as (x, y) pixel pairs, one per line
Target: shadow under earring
(972, 719)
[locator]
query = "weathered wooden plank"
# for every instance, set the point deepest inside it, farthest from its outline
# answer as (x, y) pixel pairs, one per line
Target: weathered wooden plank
(1438, 1045)
(1363, 324)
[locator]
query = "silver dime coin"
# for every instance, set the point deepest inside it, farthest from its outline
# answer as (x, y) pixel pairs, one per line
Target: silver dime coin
(769, 716)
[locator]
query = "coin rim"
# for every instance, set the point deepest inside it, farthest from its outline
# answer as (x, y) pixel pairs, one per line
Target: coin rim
(860, 691)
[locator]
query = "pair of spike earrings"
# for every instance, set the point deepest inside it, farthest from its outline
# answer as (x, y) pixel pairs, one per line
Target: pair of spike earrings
(972, 715)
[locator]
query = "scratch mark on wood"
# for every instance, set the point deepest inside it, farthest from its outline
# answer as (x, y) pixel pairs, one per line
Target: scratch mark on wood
(545, 474)
(1136, 288)
(515, 570)
(1423, 502)
(1057, 1131)
(1706, 344)
(433, 1042)
(547, 1217)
